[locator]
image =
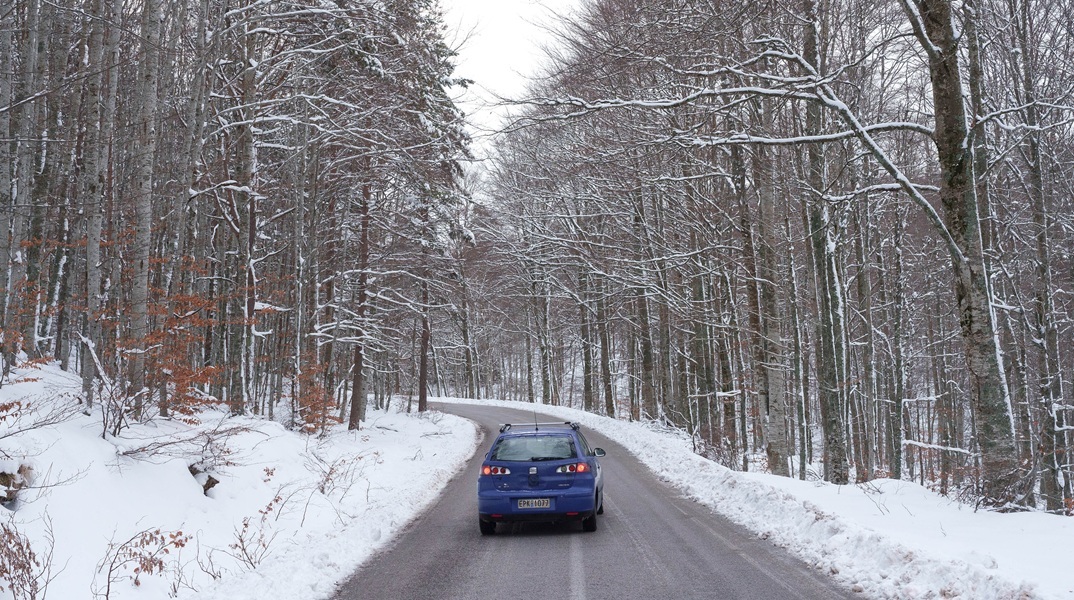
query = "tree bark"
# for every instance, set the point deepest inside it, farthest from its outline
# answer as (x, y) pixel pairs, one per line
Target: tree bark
(245, 213)
(423, 356)
(830, 355)
(7, 206)
(868, 425)
(50, 71)
(144, 157)
(103, 47)
(361, 300)
(898, 311)
(25, 122)
(605, 350)
(588, 394)
(755, 334)
(470, 367)
(771, 336)
(1000, 477)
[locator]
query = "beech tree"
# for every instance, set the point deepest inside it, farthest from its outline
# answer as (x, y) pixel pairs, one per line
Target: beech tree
(196, 175)
(886, 207)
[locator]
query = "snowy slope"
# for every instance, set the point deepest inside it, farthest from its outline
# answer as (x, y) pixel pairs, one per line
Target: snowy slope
(315, 508)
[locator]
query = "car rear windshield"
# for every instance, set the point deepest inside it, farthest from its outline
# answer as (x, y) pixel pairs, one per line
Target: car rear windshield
(534, 447)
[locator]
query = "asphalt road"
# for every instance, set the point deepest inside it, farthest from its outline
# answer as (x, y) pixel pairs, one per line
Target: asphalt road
(651, 543)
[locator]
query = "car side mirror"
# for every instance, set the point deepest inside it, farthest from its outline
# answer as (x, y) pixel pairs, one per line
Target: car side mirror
(599, 452)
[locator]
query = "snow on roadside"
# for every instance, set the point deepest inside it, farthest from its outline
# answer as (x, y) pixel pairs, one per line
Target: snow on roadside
(886, 539)
(314, 508)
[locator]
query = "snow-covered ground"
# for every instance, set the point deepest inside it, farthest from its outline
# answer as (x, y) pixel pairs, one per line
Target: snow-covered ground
(314, 508)
(293, 515)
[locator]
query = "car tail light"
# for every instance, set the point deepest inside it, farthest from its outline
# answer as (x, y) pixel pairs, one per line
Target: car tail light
(573, 468)
(490, 470)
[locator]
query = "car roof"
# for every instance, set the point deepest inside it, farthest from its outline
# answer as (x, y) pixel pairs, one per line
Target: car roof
(558, 427)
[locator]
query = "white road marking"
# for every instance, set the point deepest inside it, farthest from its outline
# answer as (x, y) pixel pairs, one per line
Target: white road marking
(577, 568)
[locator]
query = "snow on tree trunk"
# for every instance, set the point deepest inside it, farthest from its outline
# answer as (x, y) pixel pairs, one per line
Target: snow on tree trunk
(7, 65)
(958, 195)
(145, 121)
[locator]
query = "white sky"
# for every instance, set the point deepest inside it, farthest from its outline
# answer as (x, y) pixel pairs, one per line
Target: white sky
(500, 47)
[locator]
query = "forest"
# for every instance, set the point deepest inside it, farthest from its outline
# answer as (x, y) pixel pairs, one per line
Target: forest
(826, 238)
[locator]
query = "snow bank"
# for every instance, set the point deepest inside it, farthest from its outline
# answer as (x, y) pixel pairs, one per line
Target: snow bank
(313, 508)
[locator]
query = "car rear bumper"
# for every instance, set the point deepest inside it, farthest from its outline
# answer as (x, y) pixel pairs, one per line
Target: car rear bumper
(535, 518)
(503, 506)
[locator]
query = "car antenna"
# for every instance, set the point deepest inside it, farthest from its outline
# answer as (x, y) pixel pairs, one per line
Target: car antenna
(535, 426)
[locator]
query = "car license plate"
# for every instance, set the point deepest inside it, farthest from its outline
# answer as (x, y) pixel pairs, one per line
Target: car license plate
(535, 503)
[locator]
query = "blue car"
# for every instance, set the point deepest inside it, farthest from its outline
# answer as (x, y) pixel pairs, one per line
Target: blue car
(540, 472)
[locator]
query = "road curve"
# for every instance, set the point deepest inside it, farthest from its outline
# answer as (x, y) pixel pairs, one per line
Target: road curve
(651, 544)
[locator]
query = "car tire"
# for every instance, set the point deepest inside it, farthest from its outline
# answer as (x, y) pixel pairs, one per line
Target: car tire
(487, 527)
(600, 508)
(589, 524)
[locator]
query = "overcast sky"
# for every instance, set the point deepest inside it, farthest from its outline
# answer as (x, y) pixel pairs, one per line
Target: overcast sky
(500, 47)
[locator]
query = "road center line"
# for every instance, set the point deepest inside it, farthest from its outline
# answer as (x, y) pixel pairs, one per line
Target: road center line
(577, 568)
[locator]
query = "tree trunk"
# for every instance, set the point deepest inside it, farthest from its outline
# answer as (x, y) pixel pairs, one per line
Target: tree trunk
(646, 378)
(330, 272)
(868, 425)
(772, 348)
(895, 422)
(605, 350)
(750, 240)
(103, 45)
(245, 213)
(647, 386)
(48, 119)
(531, 392)
(361, 300)
(588, 394)
(7, 202)
(144, 156)
(544, 343)
(701, 347)
(830, 355)
(25, 123)
(470, 367)
(423, 356)
(805, 440)
(958, 194)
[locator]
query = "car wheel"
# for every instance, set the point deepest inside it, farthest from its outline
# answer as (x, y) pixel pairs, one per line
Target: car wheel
(487, 527)
(589, 524)
(600, 508)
